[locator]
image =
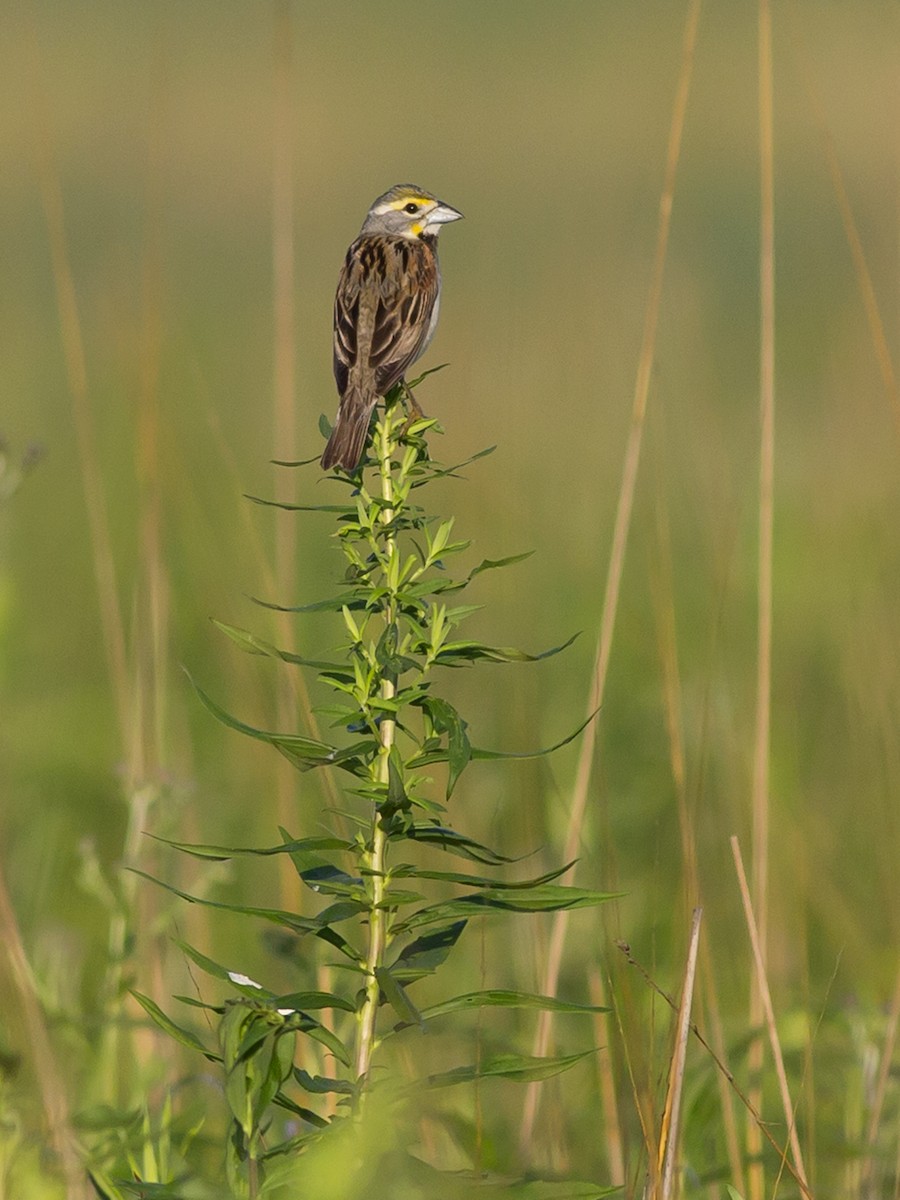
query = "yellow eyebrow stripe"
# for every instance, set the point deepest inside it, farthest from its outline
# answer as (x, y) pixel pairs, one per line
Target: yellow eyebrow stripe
(404, 200)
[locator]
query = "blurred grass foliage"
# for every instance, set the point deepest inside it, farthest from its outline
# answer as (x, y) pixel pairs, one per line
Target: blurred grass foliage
(546, 124)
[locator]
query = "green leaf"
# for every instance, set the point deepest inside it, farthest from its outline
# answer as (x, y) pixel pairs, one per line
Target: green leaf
(532, 900)
(398, 389)
(299, 462)
(224, 853)
(304, 753)
(426, 953)
(319, 1084)
(353, 600)
(495, 564)
(245, 986)
(325, 878)
(397, 998)
(446, 719)
(444, 472)
(455, 653)
(520, 1068)
(184, 1036)
(319, 1033)
(325, 508)
(308, 1001)
(305, 1114)
(256, 645)
(443, 838)
(427, 757)
(506, 999)
(143, 1191)
(386, 654)
(317, 926)
(397, 799)
(405, 871)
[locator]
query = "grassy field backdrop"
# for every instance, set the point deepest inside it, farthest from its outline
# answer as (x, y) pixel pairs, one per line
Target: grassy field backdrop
(137, 149)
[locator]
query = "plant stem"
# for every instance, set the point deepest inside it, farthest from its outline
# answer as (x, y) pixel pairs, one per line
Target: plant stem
(375, 858)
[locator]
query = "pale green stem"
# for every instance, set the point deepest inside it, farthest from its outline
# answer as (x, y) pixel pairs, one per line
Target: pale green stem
(376, 856)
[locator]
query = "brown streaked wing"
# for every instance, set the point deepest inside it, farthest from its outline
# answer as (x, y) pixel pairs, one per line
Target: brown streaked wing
(402, 317)
(398, 280)
(346, 316)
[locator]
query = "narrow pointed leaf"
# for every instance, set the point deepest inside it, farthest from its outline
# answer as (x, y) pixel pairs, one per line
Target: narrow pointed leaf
(352, 600)
(300, 925)
(298, 462)
(310, 1001)
(545, 899)
(305, 1114)
(397, 997)
(319, 1085)
(459, 652)
(319, 1033)
(237, 979)
(494, 564)
(447, 839)
(426, 953)
(444, 472)
(436, 756)
(520, 1068)
(325, 508)
(478, 881)
(506, 999)
(224, 853)
(184, 1036)
(256, 645)
(305, 753)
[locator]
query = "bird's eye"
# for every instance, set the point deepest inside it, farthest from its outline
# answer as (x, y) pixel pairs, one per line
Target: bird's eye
(411, 208)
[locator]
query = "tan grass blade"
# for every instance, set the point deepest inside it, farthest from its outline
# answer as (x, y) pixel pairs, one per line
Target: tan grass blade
(664, 607)
(722, 1068)
(667, 1155)
(769, 1013)
(760, 793)
(617, 556)
(717, 1040)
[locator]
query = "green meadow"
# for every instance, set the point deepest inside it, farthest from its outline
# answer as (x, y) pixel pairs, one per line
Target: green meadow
(179, 186)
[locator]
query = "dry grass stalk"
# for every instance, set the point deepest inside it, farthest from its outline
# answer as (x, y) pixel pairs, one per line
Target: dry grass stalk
(769, 1014)
(760, 794)
(667, 1155)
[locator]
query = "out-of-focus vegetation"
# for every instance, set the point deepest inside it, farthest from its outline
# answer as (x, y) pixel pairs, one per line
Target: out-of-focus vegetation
(136, 239)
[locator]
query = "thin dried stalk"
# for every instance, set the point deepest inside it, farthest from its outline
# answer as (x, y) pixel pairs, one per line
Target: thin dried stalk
(669, 1132)
(760, 795)
(769, 1013)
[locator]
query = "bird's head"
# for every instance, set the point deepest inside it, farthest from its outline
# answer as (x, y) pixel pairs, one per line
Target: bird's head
(408, 211)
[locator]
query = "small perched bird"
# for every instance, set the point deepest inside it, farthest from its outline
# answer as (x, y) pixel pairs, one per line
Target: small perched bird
(385, 310)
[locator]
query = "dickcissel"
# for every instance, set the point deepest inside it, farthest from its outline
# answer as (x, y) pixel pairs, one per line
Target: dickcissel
(385, 310)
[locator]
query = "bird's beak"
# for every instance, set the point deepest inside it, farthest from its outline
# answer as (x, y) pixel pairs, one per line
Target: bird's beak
(443, 214)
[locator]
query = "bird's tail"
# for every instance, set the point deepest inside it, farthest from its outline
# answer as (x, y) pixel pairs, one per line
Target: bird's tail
(351, 428)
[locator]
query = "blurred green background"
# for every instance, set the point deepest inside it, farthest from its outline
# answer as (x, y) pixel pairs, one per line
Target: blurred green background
(546, 124)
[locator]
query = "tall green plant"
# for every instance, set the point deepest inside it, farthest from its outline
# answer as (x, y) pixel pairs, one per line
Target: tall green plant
(401, 613)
